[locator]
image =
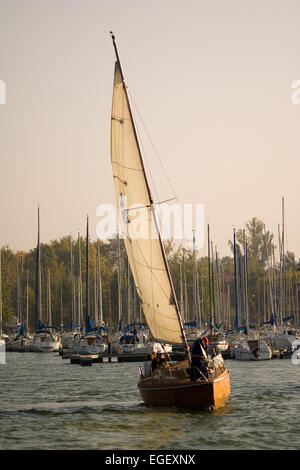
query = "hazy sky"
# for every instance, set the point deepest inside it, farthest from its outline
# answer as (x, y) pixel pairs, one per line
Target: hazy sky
(211, 79)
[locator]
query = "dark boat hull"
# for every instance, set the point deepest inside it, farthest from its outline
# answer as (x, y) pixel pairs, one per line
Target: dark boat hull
(187, 394)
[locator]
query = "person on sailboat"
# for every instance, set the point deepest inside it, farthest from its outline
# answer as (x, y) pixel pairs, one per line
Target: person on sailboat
(160, 360)
(205, 343)
(199, 358)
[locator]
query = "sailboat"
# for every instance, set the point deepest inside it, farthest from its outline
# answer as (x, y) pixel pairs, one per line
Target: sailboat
(91, 342)
(2, 338)
(45, 338)
(217, 340)
(175, 385)
(68, 337)
(281, 337)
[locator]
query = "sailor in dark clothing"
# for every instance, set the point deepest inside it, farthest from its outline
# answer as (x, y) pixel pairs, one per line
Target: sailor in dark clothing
(199, 358)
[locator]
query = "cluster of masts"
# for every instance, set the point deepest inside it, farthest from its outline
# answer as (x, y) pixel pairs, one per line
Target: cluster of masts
(206, 295)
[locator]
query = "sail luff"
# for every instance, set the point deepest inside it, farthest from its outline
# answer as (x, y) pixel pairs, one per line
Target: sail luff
(146, 255)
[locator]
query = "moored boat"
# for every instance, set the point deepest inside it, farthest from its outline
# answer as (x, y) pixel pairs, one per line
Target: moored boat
(44, 340)
(217, 343)
(90, 344)
(287, 342)
(252, 350)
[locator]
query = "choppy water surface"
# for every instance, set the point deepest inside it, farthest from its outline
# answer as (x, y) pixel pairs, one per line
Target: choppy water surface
(48, 403)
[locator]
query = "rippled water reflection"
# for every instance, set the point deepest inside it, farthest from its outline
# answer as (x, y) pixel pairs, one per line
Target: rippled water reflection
(48, 403)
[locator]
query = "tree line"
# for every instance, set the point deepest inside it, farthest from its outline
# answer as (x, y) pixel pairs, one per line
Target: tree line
(206, 287)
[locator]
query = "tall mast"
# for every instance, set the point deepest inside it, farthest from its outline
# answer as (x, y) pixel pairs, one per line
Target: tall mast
(80, 319)
(246, 282)
(19, 315)
(194, 279)
(100, 284)
(209, 278)
(96, 302)
(202, 294)
(61, 304)
(241, 290)
(87, 293)
(274, 284)
(283, 262)
(198, 297)
(185, 295)
(258, 300)
(27, 301)
(280, 277)
(109, 295)
(49, 313)
(174, 298)
(235, 284)
(181, 291)
(0, 294)
(37, 313)
(270, 282)
(72, 282)
(128, 293)
(213, 285)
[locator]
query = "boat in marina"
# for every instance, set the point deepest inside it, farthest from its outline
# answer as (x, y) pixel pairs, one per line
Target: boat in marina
(46, 337)
(90, 344)
(252, 350)
(143, 348)
(68, 338)
(21, 342)
(45, 340)
(217, 343)
(3, 338)
(175, 385)
(136, 340)
(133, 342)
(286, 341)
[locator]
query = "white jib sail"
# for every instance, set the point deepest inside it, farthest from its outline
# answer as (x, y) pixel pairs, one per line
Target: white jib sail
(139, 228)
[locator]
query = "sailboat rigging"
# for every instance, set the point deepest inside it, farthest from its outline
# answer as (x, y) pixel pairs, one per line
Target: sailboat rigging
(150, 270)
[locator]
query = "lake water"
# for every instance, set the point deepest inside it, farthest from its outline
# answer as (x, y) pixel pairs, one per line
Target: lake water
(48, 403)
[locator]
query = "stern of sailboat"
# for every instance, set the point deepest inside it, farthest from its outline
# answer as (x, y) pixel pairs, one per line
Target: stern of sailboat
(174, 387)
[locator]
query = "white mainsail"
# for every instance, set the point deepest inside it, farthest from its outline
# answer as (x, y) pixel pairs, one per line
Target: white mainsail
(141, 237)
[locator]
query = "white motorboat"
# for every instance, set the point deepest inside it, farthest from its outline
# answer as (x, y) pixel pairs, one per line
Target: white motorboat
(252, 350)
